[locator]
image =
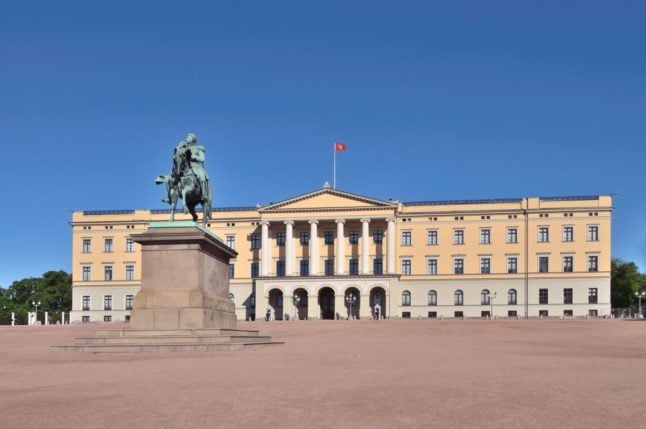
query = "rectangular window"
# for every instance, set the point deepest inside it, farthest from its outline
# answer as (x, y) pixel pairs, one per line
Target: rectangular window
(512, 313)
(543, 264)
(406, 267)
(592, 295)
(485, 236)
(431, 238)
(129, 301)
(85, 319)
(280, 238)
(107, 302)
(458, 314)
(231, 241)
(407, 239)
(353, 236)
(593, 263)
(107, 273)
(593, 313)
(280, 268)
(130, 245)
(255, 241)
(130, 272)
(458, 266)
(86, 303)
(485, 266)
(254, 270)
(512, 265)
(567, 296)
(354, 267)
(378, 236)
(107, 245)
(378, 266)
(328, 237)
(543, 234)
(543, 313)
(305, 238)
(432, 267)
(405, 314)
(542, 296)
(305, 267)
(107, 318)
(512, 235)
(86, 273)
(87, 245)
(593, 233)
(568, 233)
(568, 264)
(432, 314)
(232, 270)
(458, 236)
(329, 267)
(568, 313)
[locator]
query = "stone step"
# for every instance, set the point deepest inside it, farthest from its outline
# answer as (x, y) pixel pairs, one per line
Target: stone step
(173, 339)
(112, 333)
(142, 348)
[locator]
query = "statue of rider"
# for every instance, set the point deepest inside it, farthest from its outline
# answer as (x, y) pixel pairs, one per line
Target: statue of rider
(188, 158)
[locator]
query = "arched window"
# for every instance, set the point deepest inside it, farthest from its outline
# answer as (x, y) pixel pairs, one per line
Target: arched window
(432, 297)
(458, 298)
(406, 298)
(485, 298)
(512, 297)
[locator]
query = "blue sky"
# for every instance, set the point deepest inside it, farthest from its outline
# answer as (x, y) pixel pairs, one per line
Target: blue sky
(435, 100)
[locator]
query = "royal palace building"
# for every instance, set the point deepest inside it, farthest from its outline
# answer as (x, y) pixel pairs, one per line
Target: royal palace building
(333, 254)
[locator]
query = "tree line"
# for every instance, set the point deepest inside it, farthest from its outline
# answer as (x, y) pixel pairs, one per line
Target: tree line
(53, 290)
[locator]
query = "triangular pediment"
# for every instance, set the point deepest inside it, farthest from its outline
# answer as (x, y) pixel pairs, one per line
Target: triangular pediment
(328, 198)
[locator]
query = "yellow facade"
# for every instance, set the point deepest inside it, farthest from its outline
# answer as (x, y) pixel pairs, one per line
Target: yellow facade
(333, 254)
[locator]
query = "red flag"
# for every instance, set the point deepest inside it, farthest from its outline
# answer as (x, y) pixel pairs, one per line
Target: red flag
(338, 146)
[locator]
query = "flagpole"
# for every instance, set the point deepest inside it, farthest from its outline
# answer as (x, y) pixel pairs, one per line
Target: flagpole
(334, 156)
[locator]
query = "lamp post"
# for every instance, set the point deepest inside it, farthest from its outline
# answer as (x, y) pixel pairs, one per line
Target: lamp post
(296, 300)
(639, 296)
(36, 304)
(495, 294)
(351, 299)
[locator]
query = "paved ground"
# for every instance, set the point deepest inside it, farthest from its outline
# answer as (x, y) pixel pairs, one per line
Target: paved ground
(340, 374)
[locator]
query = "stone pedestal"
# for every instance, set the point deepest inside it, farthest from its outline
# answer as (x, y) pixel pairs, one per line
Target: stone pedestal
(184, 280)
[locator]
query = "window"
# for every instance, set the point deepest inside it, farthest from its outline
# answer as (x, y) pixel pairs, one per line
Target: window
(255, 241)
(568, 313)
(542, 296)
(328, 237)
(593, 233)
(85, 319)
(458, 297)
(592, 295)
(378, 266)
(107, 245)
(568, 233)
(458, 236)
(593, 263)
(485, 236)
(280, 268)
(129, 301)
(107, 302)
(543, 313)
(512, 265)
(485, 265)
(130, 245)
(593, 313)
(232, 270)
(86, 273)
(407, 238)
(405, 314)
(512, 235)
(543, 264)
(329, 267)
(432, 314)
(543, 234)
(130, 272)
(512, 297)
(458, 266)
(458, 314)
(304, 238)
(353, 236)
(353, 266)
(107, 318)
(485, 313)
(406, 267)
(377, 236)
(405, 298)
(86, 303)
(254, 270)
(568, 264)
(431, 238)
(485, 297)
(305, 267)
(280, 238)
(231, 241)
(432, 297)
(107, 273)
(567, 296)
(87, 245)
(432, 267)
(512, 313)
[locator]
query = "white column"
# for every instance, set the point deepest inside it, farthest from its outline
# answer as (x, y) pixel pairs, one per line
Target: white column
(365, 256)
(340, 248)
(289, 248)
(390, 252)
(314, 248)
(265, 249)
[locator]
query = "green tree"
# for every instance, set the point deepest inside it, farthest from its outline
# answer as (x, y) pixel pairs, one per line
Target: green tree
(625, 281)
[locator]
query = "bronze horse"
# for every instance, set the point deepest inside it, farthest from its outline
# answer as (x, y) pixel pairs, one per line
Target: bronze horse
(191, 193)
